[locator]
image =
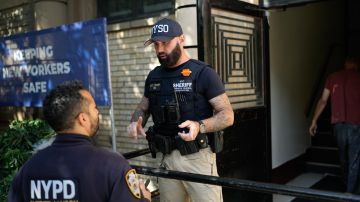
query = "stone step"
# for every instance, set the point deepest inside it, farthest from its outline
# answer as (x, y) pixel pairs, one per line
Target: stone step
(242, 98)
(328, 155)
(323, 168)
(237, 72)
(246, 91)
(238, 79)
(231, 86)
(323, 139)
(242, 105)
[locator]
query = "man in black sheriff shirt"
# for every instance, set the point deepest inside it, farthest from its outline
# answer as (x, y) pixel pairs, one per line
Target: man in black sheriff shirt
(188, 105)
(72, 168)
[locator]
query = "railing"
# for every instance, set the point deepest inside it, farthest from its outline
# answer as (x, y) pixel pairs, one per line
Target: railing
(317, 89)
(137, 153)
(247, 185)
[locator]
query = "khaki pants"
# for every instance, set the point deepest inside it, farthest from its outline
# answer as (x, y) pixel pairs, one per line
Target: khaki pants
(202, 162)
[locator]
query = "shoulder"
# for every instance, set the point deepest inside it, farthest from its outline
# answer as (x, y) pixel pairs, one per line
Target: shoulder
(202, 69)
(198, 63)
(108, 154)
(155, 70)
(112, 163)
(336, 76)
(39, 156)
(154, 73)
(105, 159)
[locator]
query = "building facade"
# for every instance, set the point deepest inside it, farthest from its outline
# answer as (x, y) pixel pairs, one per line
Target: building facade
(271, 124)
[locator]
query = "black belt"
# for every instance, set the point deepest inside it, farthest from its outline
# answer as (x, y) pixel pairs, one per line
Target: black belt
(166, 144)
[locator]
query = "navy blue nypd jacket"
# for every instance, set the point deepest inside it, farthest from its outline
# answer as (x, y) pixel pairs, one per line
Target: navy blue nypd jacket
(73, 169)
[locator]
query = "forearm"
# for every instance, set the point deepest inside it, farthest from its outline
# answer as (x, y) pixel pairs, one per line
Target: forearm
(137, 113)
(219, 121)
(318, 110)
(321, 104)
(223, 114)
(141, 110)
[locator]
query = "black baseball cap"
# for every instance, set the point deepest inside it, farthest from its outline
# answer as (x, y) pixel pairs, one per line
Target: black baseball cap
(164, 30)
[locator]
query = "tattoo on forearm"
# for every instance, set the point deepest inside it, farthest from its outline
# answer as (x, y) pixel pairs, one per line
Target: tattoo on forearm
(141, 110)
(220, 121)
(224, 115)
(137, 113)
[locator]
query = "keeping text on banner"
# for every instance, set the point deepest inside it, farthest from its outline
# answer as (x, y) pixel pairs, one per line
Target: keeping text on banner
(33, 63)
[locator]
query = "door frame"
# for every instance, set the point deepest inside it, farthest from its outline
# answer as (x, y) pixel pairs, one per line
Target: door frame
(204, 37)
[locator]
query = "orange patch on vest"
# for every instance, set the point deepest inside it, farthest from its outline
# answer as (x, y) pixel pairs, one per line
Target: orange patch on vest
(186, 72)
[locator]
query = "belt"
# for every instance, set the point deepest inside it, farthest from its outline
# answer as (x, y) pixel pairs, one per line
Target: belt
(166, 144)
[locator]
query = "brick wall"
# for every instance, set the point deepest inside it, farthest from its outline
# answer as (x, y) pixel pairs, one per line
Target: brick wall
(15, 18)
(130, 62)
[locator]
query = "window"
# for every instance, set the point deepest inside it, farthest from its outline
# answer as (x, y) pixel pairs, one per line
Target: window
(124, 10)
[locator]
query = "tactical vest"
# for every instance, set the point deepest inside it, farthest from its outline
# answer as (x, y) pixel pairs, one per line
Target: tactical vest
(173, 97)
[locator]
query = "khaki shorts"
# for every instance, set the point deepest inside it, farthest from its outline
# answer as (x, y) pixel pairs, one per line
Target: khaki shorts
(202, 162)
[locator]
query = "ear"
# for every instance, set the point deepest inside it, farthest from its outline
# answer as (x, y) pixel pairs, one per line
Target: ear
(82, 119)
(182, 38)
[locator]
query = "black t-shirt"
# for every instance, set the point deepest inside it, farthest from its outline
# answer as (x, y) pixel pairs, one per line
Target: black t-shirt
(208, 81)
(72, 169)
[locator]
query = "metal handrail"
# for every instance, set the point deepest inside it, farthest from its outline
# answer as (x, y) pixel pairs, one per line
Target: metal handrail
(133, 154)
(248, 185)
(317, 89)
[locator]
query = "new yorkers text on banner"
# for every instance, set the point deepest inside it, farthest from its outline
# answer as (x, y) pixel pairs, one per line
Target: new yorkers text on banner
(33, 63)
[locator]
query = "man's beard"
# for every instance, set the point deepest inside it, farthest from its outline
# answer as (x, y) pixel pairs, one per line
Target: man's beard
(94, 127)
(172, 58)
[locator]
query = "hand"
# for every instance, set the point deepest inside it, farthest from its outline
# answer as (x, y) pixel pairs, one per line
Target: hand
(313, 127)
(144, 191)
(135, 129)
(194, 128)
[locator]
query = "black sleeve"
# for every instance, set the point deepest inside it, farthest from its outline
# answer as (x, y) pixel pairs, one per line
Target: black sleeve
(121, 187)
(121, 192)
(209, 83)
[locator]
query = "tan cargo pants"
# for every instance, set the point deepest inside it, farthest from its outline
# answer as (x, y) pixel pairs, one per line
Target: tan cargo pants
(202, 162)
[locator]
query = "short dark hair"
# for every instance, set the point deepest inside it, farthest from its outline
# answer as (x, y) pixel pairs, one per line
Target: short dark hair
(63, 104)
(351, 63)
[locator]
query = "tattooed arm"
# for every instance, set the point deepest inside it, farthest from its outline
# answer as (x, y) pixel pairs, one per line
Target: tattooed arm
(141, 110)
(139, 119)
(223, 117)
(223, 114)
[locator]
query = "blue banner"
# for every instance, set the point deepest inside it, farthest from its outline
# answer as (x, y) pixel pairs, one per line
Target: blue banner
(32, 63)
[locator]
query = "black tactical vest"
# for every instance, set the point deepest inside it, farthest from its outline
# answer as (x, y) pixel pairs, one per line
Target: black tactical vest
(173, 97)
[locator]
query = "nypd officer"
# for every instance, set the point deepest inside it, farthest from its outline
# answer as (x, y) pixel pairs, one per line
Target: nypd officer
(188, 104)
(72, 168)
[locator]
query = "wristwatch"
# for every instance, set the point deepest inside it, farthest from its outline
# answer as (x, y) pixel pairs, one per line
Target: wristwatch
(202, 127)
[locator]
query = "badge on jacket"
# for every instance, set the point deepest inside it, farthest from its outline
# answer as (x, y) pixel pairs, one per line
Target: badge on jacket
(155, 86)
(132, 182)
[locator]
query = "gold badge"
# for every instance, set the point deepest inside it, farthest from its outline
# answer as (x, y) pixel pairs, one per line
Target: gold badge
(186, 72)
(132, 182)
